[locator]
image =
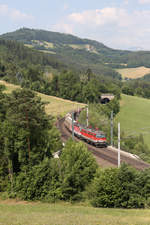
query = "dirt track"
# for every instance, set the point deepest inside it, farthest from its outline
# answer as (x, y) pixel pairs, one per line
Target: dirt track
(105, 157)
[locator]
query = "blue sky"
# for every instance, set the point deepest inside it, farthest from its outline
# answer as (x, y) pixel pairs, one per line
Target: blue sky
(120, 24)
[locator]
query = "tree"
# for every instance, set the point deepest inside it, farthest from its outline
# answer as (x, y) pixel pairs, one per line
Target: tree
(3, 159)
(77, 169)
(27, 137)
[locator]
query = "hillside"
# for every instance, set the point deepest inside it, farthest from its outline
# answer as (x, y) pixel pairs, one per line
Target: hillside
(55, 106)
(134, 116)
(79, 53)
(16, 58)
(134, 73)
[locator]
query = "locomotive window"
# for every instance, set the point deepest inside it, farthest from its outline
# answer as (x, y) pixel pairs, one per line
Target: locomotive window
(100, 136)
(84, 131)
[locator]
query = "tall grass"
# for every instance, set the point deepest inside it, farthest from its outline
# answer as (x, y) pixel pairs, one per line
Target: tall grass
(15, 213)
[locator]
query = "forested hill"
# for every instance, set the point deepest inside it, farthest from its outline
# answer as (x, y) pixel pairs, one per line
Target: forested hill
(17, 59)
(82, 53)
(74, 52)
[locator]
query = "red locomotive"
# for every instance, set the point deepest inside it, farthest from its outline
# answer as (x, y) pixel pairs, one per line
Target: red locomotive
(93, 136)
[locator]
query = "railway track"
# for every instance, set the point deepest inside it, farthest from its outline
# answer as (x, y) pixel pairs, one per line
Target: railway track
(104, 156)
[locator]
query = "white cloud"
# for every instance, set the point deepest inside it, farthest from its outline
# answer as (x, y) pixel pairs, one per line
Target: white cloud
(97, 17)
(144, 1)
(115, 27)
(63, 27)
(17, 15)
(126, 2)
(101, 17)
(14, 14)
(3, 10)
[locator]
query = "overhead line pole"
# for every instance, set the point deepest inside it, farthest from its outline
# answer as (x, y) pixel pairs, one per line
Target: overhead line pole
(87, 117)
(72, 125)
(118, 145)
(111, 129)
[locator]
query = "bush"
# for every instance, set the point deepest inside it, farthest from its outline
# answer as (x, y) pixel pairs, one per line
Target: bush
(116, 188)
(78, 168)
(39, 182)
(64, 178)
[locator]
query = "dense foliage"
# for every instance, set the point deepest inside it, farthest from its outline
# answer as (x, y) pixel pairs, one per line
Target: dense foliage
(138, 87)
(124, 187)
(25, 132)
(85, 87)
(16, 61)
(64, 178)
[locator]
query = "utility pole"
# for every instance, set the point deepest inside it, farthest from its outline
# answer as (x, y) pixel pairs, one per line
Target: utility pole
(87, 117)
(118, 145)
(111, 129)
(72, 125)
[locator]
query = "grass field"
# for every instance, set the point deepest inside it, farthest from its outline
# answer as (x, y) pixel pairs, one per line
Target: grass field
(23, 213)
(56, 106)
(134, 116)
(134, 72)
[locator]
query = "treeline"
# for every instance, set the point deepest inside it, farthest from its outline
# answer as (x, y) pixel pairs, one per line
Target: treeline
(139, 87)
(83, 88)
(28, 171)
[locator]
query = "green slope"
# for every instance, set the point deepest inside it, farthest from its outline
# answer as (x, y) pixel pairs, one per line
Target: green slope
(81, 51)
(55, 106)
(134, 116)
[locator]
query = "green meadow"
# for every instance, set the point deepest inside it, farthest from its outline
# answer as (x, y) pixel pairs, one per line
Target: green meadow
(134, 116)
(25, 213)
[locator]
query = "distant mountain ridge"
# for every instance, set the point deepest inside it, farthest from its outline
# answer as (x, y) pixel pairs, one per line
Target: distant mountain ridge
(79, 53)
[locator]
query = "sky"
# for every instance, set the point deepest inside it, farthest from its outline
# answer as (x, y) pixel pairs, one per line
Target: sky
(119, 24)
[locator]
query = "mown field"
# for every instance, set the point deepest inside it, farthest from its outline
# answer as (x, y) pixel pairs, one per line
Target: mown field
(25, 213)
(55, 106)
(134, 72)
(134, 116)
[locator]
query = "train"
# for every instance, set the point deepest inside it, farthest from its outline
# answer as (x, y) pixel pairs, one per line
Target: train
(90, 135)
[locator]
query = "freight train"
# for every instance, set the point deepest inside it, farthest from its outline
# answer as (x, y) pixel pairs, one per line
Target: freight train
(92, 136)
